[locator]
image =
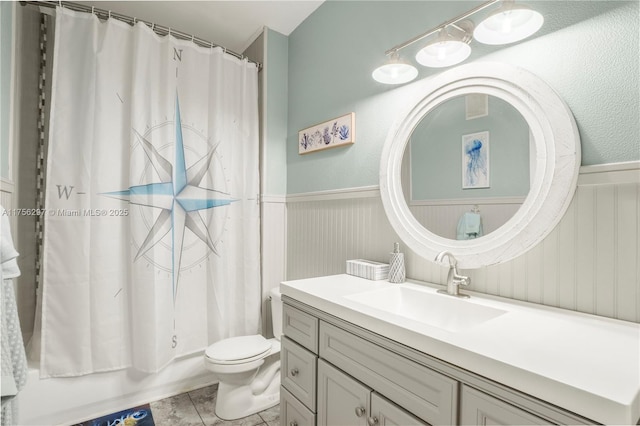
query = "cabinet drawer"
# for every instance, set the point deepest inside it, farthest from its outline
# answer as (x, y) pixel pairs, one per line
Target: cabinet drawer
(301, 327)
(478, 408)
(293, 412)
(298, 372)
(428, 394)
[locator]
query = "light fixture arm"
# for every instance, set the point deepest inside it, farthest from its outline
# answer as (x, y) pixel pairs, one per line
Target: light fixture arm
(451, 22)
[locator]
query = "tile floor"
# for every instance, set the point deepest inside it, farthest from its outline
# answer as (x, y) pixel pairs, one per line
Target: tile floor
(195, 408)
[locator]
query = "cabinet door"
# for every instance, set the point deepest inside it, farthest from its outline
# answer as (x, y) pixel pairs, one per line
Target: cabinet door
(479, 408)
(342, 400)
(386, 413)
(293, 412)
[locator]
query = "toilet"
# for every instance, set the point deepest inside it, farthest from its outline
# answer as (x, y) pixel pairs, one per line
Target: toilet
(248, 369)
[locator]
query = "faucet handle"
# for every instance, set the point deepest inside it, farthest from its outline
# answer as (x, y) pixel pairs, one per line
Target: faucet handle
(461, 280)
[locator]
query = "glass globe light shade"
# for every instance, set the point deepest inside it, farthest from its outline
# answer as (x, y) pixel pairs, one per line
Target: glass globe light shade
(445, 51)
(395, 71)
(508, 24)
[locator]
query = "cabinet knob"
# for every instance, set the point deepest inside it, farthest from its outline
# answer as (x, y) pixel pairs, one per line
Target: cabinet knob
(372, 421)
(294, 372)
(360, 411)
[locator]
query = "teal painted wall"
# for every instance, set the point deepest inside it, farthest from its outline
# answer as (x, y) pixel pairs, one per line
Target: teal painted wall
(6, 29)
(587, 51)
(436, 152)
(276, 66)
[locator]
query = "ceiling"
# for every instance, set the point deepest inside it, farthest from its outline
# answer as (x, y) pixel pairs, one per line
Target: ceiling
(231, 24)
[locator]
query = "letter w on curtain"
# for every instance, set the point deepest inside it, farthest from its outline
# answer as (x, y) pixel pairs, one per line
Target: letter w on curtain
(151, 245)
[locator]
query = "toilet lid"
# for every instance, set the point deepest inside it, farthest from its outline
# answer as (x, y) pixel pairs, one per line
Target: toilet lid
(238, 348)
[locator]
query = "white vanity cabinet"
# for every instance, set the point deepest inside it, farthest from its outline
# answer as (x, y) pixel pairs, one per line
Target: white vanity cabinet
(336, 373)
(314, 387)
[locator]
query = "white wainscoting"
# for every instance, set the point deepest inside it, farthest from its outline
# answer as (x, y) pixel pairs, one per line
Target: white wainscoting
(589, 262)
(442, 217)
(274, 249)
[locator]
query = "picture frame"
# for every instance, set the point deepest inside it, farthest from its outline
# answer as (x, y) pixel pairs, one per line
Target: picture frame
(475, 160)
(332, 133)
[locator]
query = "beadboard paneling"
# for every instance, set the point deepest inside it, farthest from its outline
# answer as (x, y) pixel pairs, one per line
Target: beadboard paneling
(274, 220)
(627, 267)
(443, 219)
(322, 235)
(589, 262)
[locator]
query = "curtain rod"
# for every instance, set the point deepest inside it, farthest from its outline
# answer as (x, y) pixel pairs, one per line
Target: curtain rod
(158, 29)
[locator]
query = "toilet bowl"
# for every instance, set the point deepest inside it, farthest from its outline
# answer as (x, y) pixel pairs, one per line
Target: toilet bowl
(248, 369)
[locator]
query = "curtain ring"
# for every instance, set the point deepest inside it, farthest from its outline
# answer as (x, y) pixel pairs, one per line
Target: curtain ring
(109, 14)
(93, 10)
(60, 3)
(153, 26)
(134, 21)
(193, 38)
(169, 33)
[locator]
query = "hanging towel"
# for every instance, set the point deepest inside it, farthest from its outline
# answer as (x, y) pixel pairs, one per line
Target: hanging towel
(14, 360)
(8, 253)
(469, 226)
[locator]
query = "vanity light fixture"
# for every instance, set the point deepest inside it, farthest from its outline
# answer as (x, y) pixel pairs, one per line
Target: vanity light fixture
(395, 71)
(447, 49)
(509, 23)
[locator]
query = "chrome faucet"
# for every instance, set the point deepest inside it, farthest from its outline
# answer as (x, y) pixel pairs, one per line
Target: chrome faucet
(454, 280)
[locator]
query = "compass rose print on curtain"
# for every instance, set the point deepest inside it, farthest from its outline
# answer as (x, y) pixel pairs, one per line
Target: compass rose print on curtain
(152, 228)
(178, 196)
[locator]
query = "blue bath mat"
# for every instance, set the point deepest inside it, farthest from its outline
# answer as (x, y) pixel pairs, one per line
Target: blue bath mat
(138, 416)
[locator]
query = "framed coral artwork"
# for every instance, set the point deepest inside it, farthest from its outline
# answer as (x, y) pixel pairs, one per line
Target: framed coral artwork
(330, 134)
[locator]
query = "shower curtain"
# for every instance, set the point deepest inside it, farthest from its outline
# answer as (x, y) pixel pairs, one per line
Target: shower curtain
(151, 244)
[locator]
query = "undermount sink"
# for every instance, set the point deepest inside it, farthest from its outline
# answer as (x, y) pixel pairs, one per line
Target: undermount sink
(432, 309)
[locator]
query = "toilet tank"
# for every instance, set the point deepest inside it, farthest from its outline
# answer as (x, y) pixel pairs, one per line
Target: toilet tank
(276, 312)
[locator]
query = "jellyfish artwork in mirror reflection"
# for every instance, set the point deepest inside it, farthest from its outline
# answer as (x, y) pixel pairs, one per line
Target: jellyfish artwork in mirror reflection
(475, 160)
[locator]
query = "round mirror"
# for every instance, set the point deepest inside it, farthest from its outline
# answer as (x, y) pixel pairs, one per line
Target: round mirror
(470, 154)
(473, 172)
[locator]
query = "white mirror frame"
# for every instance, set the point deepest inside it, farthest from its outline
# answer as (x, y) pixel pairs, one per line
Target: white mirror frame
(557, 151)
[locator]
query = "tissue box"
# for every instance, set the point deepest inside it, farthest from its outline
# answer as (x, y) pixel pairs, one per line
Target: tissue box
(368, 269)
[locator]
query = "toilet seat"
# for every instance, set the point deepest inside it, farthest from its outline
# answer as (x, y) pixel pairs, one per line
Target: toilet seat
(238, 350)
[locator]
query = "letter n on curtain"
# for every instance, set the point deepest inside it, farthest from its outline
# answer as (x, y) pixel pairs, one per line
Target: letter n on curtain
(151, 245)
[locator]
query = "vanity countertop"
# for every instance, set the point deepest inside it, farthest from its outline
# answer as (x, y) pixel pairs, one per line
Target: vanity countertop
(584, 363)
